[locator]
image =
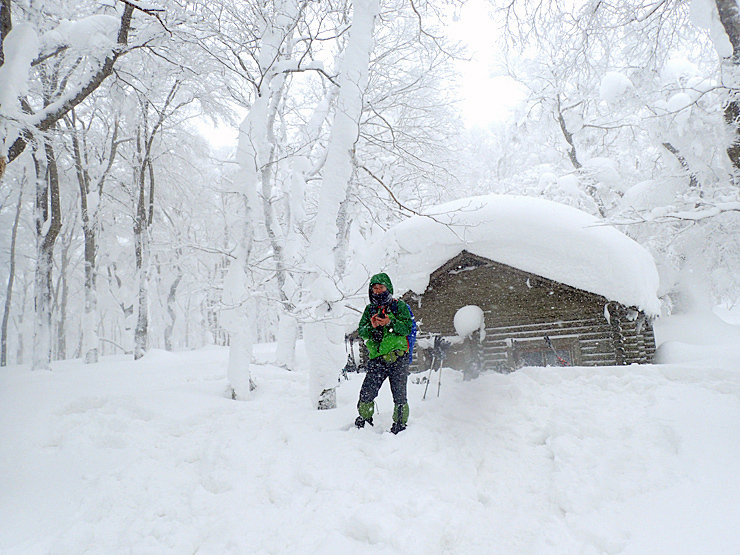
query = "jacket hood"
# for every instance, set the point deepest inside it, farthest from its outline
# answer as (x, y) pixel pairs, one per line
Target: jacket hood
(381, 278)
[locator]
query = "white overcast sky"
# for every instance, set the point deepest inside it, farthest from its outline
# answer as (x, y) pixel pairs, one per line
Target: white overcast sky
(488, 96)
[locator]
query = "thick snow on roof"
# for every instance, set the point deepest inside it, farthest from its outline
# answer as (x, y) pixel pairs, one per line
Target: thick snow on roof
(538, 236)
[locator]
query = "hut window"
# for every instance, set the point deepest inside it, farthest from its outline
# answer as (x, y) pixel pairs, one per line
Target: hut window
(536, 352)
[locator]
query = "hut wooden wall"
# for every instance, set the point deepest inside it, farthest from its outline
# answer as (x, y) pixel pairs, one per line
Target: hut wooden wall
(520, 310)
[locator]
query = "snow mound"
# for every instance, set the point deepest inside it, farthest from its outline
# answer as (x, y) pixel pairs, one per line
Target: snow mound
(469, 319)
(539, 236)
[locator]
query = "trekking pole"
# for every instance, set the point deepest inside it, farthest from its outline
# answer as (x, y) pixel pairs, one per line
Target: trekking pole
(440, 346)
(429, 377)
(439, 381)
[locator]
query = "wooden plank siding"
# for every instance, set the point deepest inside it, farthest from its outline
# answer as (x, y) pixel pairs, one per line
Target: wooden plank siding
(520, 309)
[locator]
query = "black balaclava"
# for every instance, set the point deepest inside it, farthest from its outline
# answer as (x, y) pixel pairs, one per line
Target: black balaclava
(386, 296)
(381, 299)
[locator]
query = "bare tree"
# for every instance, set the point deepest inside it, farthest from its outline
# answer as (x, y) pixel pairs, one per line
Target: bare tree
(11, 280)
(48, 226)
(146, 134)
(91, 195)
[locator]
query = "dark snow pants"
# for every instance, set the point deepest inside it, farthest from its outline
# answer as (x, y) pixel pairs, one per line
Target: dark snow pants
(377, 371)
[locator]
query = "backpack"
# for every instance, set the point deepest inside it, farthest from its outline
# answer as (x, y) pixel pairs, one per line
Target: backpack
(411, 337)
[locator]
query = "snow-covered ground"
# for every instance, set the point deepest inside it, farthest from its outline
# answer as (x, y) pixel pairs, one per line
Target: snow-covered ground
(150, 457)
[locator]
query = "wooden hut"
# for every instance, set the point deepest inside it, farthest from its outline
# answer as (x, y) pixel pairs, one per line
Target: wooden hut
(521, 310)
(555, 285)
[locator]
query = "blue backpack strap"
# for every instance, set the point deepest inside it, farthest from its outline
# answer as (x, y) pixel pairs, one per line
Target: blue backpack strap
(411, 338)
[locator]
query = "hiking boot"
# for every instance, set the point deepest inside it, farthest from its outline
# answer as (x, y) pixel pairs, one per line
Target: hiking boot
(360, 421)
(397, 427)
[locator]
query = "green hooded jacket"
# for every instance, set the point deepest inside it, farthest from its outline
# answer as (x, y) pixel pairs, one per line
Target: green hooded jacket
(394, 334)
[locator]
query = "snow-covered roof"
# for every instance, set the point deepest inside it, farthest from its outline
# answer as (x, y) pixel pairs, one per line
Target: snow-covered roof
(535, 235)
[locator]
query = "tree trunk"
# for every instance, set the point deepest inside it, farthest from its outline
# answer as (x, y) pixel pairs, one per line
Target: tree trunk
(61, 298)
(141, 239)
(90, 315)
(590, 185)
(572, 153)
(344, 227)
(6, 25)
(41, 358)
(240, 350)
(729, 15)
(90, 230)
(20, 349)
(171, 298)
(238, 317)
(295, 240)
(11, 279)
(325, 336)
(48, 226)
(145, 214)
(141, 331)
(286, 340)
(693, 180)
(254, 156)
(19, 320)
(275, 87)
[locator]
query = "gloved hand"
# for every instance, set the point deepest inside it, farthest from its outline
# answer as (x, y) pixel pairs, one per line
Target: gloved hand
(393, 356)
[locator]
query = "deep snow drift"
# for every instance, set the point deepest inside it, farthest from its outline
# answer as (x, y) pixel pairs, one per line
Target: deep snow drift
(151, 457)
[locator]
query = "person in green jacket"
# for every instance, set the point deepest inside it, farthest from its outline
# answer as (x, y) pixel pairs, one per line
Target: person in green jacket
(384, 325)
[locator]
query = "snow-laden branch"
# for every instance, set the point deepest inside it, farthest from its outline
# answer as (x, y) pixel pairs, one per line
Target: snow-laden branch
(319, 70)
(388, 190)
(651, 11)
(406, 208)
(702, 211)
(148, 9)
(51, 114)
